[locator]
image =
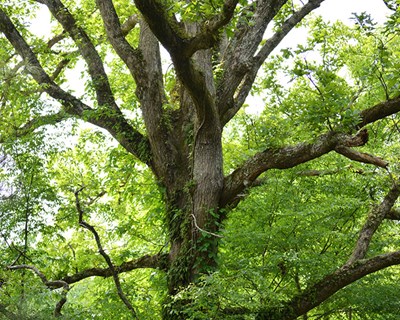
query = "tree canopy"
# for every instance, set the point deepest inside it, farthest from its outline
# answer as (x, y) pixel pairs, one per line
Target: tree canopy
(168, 159)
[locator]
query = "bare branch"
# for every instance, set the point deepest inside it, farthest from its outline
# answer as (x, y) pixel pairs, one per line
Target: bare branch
(129, 24)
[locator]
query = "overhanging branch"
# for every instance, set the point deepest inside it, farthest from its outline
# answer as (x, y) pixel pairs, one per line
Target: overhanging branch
(288, 157)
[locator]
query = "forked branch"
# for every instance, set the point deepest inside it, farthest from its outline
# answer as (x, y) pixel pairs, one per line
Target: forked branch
(248, 76)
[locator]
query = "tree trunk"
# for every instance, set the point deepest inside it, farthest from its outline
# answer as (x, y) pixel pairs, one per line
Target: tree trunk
(192, 207)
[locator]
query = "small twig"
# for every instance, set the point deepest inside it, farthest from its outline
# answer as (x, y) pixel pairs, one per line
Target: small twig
(202, 230)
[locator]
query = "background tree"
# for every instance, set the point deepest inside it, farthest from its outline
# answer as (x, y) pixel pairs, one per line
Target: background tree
(177, 160)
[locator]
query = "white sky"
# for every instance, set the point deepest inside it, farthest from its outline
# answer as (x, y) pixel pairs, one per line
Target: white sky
(342, 9)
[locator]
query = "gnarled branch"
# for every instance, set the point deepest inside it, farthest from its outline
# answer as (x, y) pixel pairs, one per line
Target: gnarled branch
(106, 257)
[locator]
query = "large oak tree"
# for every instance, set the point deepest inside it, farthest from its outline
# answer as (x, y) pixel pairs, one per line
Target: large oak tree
(171, 119)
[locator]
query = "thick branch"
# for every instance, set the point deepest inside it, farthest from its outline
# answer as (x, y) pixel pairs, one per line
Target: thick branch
(88, 51)
(129, 24)
(116, 36)
(283, 158)
(157, 261)
(288, 157)
(169, 33)
(165, 28)
(238, 58)
(209, 37)
(379, 111)
(374, 219)
(329, 285)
